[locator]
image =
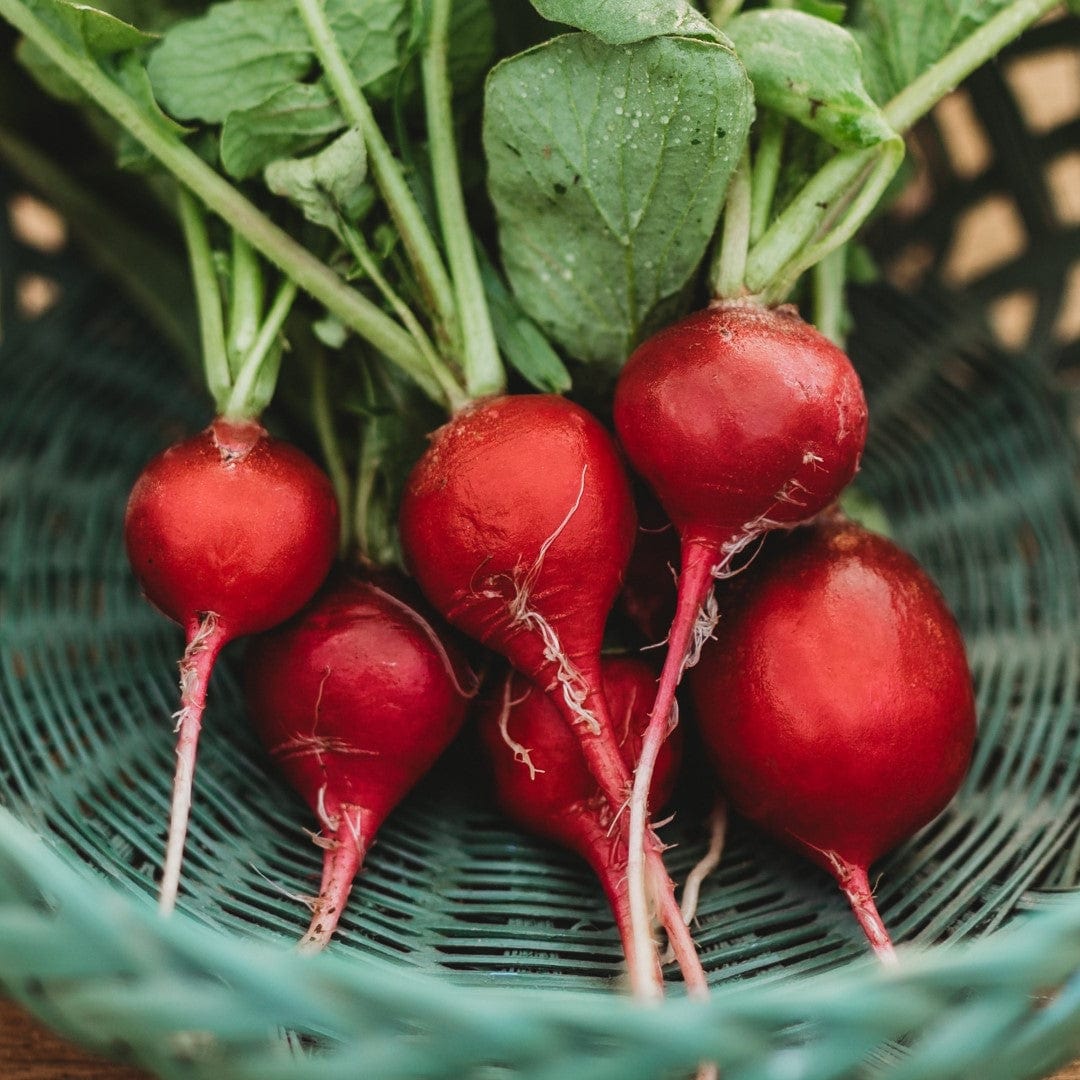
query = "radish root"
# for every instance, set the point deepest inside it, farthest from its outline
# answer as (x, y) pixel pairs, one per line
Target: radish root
(718, 819)
(696, 615)
(855, 885)
(521, 754)
(344, 855)
(205, 640)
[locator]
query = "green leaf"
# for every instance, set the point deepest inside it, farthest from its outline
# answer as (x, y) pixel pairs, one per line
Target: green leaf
(242, 52)
(900, 39)
(113, 45)
(372, 35)
(519, 338)
(622, 22)
(103, 34)
(331, 332)
(290, 122)
(92, 33)
(808, 69)
(327, 186)
(130, 153)
(607, 168)
(154, 15)
(471, 43)
(234, 57)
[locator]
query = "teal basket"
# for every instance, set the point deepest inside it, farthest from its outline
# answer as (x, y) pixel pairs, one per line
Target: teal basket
(468, 949)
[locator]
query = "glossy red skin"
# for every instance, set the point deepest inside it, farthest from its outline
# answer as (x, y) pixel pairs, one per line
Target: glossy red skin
(563, 802)
(734, 405)
(495, 483)
(234, 522)
(352, 694)
(836, 701)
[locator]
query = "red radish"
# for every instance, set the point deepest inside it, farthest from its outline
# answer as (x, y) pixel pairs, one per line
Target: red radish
(648, 593)
(543, 784)
(354, 698)
(836, 702)
(742, 419)
(518, 523)
(229, 533)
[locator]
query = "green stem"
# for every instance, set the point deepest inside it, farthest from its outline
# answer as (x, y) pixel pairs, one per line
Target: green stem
(917, 99)
(251, 393)
(729, 266)
(484, 372)
(801, 219)
(829, 277)
(367, 471)
(312, 275)
(207, 300)
(766, 174)
(423, 252)
(802, 234)
(334, 459)
(360, 252)
(246, 300)
(851, 210)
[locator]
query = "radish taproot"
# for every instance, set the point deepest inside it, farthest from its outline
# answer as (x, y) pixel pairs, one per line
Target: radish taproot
(543, 784)
(518, 522)
(354, 698)
(228, 533)
(836, 702)
(741, 419)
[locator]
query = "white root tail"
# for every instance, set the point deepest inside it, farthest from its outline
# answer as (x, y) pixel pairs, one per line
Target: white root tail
(205, 640)
(522, 754)
(708, 863)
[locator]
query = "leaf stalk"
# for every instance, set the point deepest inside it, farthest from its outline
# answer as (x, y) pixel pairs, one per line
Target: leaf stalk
(310, 273)
(484, 372)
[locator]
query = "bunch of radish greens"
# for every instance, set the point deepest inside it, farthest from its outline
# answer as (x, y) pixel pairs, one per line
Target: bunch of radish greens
(519, 275)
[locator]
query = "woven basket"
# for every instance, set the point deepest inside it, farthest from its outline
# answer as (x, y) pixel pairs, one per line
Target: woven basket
(468, 949)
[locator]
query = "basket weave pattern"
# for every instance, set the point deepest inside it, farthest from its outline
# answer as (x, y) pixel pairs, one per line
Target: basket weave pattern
(468, 949)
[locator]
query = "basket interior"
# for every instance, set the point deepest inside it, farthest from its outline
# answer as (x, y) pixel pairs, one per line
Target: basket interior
(969, 458)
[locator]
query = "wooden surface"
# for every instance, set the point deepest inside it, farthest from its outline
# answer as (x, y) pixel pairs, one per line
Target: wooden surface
(30, 1052)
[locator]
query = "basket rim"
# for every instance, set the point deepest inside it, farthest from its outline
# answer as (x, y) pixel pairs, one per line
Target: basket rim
(1038, 949)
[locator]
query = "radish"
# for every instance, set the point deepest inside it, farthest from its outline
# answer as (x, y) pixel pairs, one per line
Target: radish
(354, 698)
(647, 598)
(742, 419)
(518, 523)
(542, 782)
(228, 533)
(836, 703)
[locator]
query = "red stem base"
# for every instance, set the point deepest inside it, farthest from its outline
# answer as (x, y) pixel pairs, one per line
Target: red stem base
(855, 885)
